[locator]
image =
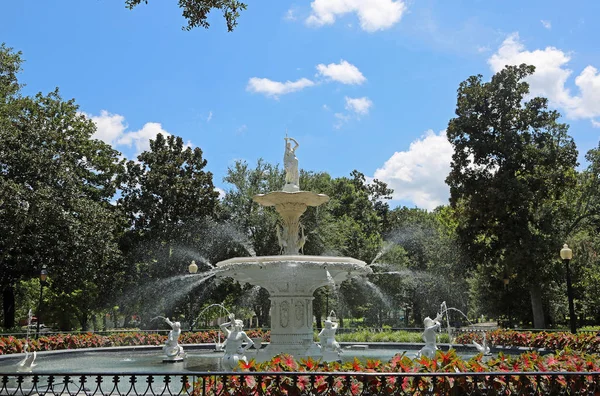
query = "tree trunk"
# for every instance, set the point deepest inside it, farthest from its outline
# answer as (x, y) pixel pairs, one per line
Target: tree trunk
(537, 307)
(8, 306)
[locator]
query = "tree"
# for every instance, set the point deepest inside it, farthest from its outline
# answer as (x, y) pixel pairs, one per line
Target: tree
(56, 183)
(196, 11)
(511, 165)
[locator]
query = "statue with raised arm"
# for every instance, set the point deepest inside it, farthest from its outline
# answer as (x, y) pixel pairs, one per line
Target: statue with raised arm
(234, 340)
(290, 164)
(172, 349)
(327, 337)
(430, 336)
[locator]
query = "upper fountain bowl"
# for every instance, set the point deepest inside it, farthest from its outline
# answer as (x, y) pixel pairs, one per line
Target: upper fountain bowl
(307, 198)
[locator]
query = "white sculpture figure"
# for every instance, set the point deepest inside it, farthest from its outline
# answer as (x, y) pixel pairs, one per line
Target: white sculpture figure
(28, 362)
(484, 347)
(290, 164)
(172, 349)
(302, 240)
(281, 240)
(430, 336)
(234, 338)
(327, 337)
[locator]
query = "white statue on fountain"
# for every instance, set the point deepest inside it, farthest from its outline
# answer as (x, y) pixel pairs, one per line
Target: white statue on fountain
(430, 336)
(172, 349)
(234, 338)
(290, 164)
(327, 337)
(27, 363)
(483, 348)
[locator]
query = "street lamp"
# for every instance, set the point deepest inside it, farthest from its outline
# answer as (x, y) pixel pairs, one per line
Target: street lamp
(567, 254)
(506, 281)
(43, 277)
(193, 267)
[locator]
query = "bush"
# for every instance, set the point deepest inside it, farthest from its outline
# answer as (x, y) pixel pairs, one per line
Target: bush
(55, 342)
(583, 342)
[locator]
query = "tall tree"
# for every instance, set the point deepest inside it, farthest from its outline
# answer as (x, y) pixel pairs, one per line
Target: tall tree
(167, 195)
(511, 165)
(196, 11)
(55, 186)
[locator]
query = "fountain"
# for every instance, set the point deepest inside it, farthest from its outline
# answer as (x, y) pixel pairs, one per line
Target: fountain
(292, 278)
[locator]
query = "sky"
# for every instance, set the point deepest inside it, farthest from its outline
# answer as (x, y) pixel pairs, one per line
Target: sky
(360, 84)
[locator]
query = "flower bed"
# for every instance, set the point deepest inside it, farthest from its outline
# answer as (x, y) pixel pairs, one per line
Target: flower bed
(423, 376)
(55, 342)
(585, 342)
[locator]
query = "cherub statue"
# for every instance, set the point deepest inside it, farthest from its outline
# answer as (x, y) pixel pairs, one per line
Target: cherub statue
(234, 338)
(172, 348)
(430, 336)
(327, 337)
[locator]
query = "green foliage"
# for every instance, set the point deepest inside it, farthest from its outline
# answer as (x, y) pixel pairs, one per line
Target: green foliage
(556, 341)
(56, 183)
(196, 11)
(10, 344)
(367, 335)
(512, 163)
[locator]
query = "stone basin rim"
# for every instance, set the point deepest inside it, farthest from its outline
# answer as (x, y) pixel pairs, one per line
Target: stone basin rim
(318, 260)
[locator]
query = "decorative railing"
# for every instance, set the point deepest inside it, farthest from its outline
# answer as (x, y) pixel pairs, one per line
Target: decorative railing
(301, 383)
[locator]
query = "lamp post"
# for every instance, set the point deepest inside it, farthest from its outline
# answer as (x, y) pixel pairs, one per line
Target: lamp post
(43, 277)
(567, 254)
(327, 303)
(506, 281)
(192, 269)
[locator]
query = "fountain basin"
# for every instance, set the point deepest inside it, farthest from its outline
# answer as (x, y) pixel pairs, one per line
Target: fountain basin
(291, 281)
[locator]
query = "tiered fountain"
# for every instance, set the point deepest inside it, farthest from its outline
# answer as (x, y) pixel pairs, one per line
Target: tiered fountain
(292, 278)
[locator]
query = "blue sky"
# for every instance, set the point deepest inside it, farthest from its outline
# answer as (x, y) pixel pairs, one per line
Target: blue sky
(361, 84)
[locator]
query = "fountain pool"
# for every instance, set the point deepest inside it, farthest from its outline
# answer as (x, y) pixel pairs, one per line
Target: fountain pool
(199, 358)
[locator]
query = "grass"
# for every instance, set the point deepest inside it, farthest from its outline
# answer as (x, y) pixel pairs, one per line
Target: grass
(366, 335)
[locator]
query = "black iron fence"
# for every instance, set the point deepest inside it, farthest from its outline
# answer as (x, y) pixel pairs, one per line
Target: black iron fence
(301, 383)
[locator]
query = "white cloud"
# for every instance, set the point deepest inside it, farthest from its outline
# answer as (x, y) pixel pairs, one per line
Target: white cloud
(275, 88)
(546, 24)
(359, 106)
(221, 192)
(290, 15)
(373, 15)
(343, 72)
(551, 76)
(210, 114)
(325, 107)
(141, 139)
(341, 120)
(418, 175)
(595, 124)
(109, 127)
(241, 129)
(112, 129)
